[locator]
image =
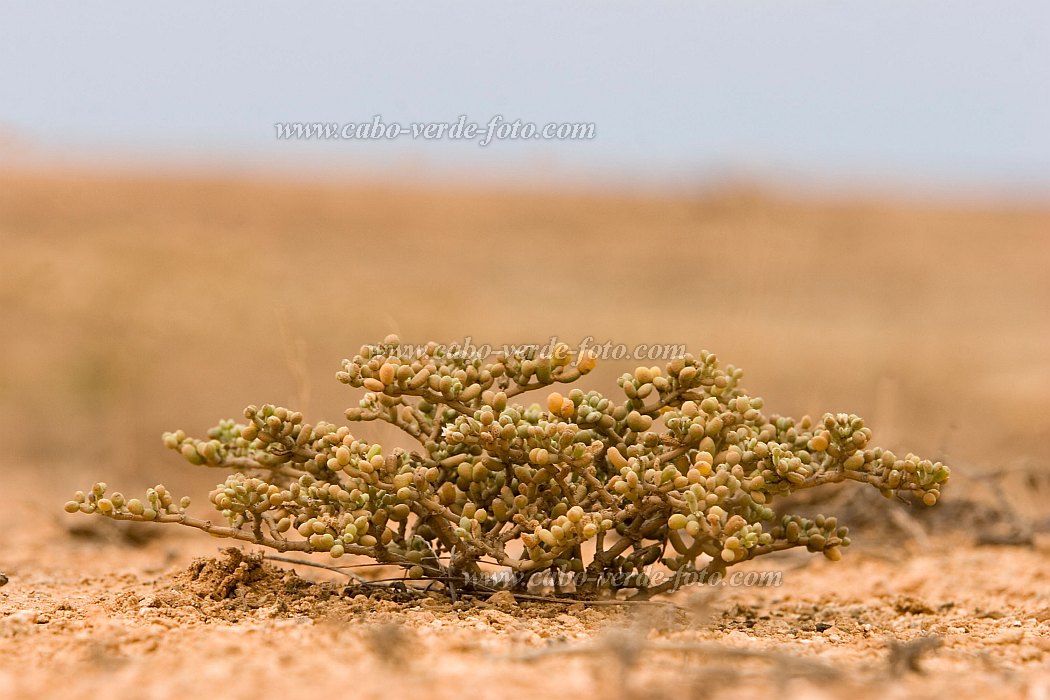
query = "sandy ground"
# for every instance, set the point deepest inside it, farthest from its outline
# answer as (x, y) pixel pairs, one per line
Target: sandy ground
(133, 305)
(100, 619)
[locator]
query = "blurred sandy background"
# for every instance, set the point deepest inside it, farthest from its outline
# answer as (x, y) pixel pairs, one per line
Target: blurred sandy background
(167, 260)
(133, 304)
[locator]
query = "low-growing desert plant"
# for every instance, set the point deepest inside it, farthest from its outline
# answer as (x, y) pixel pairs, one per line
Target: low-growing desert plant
(683, 472)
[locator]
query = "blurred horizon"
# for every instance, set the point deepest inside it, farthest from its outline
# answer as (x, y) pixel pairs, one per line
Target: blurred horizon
(909, 100)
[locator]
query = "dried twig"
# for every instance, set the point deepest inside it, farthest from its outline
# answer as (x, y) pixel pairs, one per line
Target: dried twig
(905, 656)
(789, 664)
(317, 565)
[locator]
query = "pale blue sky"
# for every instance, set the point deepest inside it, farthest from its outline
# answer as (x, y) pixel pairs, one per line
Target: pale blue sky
(942, 93)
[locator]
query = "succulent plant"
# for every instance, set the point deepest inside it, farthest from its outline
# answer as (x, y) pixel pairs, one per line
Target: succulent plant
(682, 471)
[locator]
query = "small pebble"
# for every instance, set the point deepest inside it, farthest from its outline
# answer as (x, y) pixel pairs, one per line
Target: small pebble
(1010, 636)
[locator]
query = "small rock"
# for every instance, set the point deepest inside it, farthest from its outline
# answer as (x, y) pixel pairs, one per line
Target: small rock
(19, 622)
(502, 599)
(911, 605)
(1010, 636)
(1030, 653)
(3, 579)
(28, 616)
